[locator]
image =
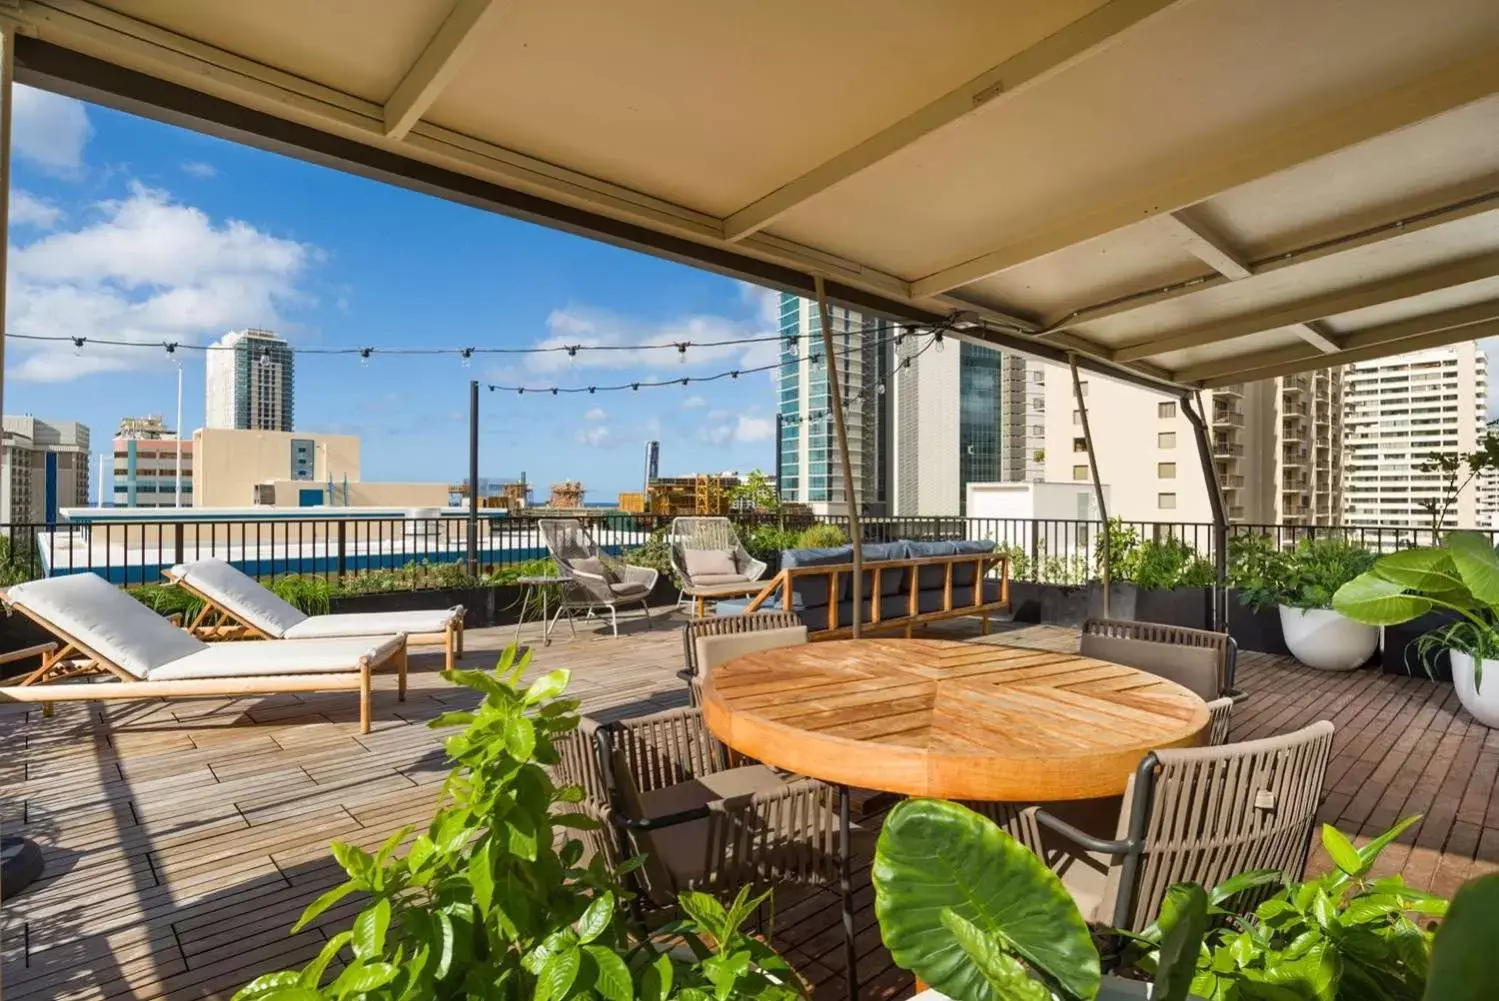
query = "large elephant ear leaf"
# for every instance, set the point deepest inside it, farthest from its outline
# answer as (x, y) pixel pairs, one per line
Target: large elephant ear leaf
(1428, 570)
(1464, 963)
(1374, 601)
(934, 856)
(1477, 563)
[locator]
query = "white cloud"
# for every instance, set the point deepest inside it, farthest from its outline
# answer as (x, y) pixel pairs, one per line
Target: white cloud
(752, 429)
(27, 209)
(596, 414)
(598, 436)
(146, 269)
(694, 403)
(50, 130)
(718, 415)
(597, 328)
(199, 169)
(767, 303)
(715, 435)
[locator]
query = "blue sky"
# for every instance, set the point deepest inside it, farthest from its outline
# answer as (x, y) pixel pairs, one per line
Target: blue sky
(124, 228)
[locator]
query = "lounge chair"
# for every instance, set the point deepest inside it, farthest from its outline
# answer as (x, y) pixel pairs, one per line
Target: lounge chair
(105, 632)
(593, 579)
(707, 551)
(235, 606)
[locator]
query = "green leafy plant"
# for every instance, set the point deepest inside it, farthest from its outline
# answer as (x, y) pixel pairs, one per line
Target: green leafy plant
(765, 542)
(1124, 546)
(1461, 576)
(656, 554)
(1257, 568)
(167, 599)
(1170, 563)
(1457, 472)
(312, 595)
(1306, 577)
(510, 573)
(417, 576)
(823, 536)
(492, 902)
(1340, 936)
(756, 493)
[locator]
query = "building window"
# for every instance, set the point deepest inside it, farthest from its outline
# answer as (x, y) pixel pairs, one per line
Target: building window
(1079, 472)
(1082, 388)
(1166, 502)
(1079, 444)
(1166, 439)
(1077, 417)
(1165, 411)
(1166, 470)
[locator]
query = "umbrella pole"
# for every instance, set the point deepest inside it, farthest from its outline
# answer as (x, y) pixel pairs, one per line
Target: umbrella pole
(855, 533)
(1103, 509)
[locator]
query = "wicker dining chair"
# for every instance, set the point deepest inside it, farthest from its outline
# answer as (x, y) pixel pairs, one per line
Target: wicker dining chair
(1220, 714)
(1195, 815)
(592, 578)
(703, 825)
(578, 765)
(1197, 659)
(709, 641)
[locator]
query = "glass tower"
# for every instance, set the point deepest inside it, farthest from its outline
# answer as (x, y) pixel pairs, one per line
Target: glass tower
(980, 417)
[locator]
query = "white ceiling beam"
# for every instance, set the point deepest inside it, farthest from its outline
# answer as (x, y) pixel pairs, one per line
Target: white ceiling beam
(1241, 369)
(435, 67)
(1207, 247)
(1318, 307)
(1246, 155)
(1083, 37)
(1431, 339)
(1314, 335)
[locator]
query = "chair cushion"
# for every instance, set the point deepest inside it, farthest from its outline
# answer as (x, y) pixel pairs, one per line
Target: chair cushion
(813, 590)
(106, 620)
(240, 595)
(892, 581)
(374, 623)
(595, 566)
(714, 650)
(709, 579)
(630, 590)
(255, 658)
(933, 576)
(709, 561)
(962, 573)
(1197, 668)
(678, 854)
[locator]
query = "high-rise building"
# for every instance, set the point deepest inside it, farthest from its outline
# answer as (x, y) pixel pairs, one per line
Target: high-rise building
(810, 470)
(1276, 448)
(146, 465)
(249, 382)
(1401, 410)
(44, 469)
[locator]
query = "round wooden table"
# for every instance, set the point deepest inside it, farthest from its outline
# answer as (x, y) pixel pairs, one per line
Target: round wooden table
(947, 719)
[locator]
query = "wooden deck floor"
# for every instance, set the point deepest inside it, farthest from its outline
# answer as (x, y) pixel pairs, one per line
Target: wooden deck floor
(182, 840)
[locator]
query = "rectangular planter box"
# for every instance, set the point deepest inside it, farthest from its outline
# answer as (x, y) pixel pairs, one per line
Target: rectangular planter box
(1055, 604)
(1398, 650)
(478, 602)
(1257, 630)
(1189, 607)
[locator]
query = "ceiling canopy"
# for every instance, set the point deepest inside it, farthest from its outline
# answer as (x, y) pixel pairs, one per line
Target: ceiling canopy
(1185, 194)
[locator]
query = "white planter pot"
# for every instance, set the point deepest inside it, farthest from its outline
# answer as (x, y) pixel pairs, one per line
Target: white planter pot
(1482, 704)
(1111, 989)
(1321, 638)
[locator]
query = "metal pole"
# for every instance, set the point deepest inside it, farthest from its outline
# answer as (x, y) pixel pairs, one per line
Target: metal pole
(851, 498)
(473, 478)
(779, 457)
(846, 891)
(1103, 508)
(1192, 407)
(7, 69)
(179, 433)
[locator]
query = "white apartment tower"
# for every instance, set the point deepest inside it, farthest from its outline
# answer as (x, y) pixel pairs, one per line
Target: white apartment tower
(1276, 448)
(1399, 411)
(249, 382)
(44, 469)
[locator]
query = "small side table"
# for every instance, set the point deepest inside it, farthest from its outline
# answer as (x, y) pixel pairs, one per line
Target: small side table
(534, 595)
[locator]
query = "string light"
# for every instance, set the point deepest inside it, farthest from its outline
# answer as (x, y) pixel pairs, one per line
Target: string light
(364, 355)
(78, 343)
(937, 338)
(468, 355)
(681, 352)
(791, 345)
(265, 359)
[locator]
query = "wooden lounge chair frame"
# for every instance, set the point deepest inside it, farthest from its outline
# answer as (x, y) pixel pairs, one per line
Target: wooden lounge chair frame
(215, 622)
(75, 660)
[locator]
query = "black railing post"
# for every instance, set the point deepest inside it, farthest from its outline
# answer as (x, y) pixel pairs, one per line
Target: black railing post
(343, 554)
(473, 478)
(177, 544)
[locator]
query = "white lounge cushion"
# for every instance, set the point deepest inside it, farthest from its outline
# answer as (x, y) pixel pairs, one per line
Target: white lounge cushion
(710, 561)
(240, 595)
(106, 621)
(375, 623)
(253, 658)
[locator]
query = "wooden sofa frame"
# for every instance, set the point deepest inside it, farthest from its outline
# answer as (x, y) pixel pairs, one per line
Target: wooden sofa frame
(982, 563)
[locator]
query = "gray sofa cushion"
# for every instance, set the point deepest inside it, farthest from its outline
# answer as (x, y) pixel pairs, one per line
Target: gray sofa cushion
(929, 577)
(962, 573)
(813, 590)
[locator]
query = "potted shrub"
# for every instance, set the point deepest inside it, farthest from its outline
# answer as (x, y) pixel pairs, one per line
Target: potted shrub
(1254, 566)
(1460, 577)
(1154, 580)
(1301, 584)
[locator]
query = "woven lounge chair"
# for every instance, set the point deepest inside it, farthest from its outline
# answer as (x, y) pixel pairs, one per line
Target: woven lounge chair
(1195, 815)
(704, 825)
(709, 641)
(1196, 659)
(707, 551)
(235, 606)
(592, 578)
(107, 634)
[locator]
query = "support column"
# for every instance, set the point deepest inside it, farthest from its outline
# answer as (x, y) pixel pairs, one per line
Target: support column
(851, 497)
(1103, 507)
(473, 478)
(1192, 407)
(7, 71)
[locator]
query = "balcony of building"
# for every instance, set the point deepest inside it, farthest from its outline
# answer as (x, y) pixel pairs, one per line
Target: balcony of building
(1290, 456)
(1233, 391)
(1227, 415)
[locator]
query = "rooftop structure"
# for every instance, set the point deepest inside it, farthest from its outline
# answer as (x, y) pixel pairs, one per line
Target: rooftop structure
(44, 468)
(250, 382)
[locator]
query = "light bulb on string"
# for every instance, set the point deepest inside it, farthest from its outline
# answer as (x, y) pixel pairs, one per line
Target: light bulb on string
(937, 339)
(791, 346)
(634, 387)
(880, 389)
(364, 356)
(685, 382)
(682, 352)
(554, 390)
(468, 355)
(520, 391)
(78, 343)
(572, 353)
(592, 390)
(265, 359)
(734, 374)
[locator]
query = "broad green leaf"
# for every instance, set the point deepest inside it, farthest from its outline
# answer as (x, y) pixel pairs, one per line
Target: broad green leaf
(655, 983)
(520, 835)
(1005, 975)
(1464, 960)
(520, 737)
(1374, 601)
(1342, 852)
(1371, 851)
(481, 877)
(1235, 885)
(558, 974)
(390, 844)
(1476, 563)
(1184, 922)
(595, 921)
(1314, 976)
(933, 855)
(263, 985)
(363, 977)
(446, 945)
(357, 862)
(548, 686)
(1428, 570)
(322, 903)
(369, 929)
(452, 719)
(611, 975)
(707, 912)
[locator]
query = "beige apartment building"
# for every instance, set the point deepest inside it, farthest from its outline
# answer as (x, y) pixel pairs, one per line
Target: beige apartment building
(1401, 410)
(241, 468)
(1276, 446)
